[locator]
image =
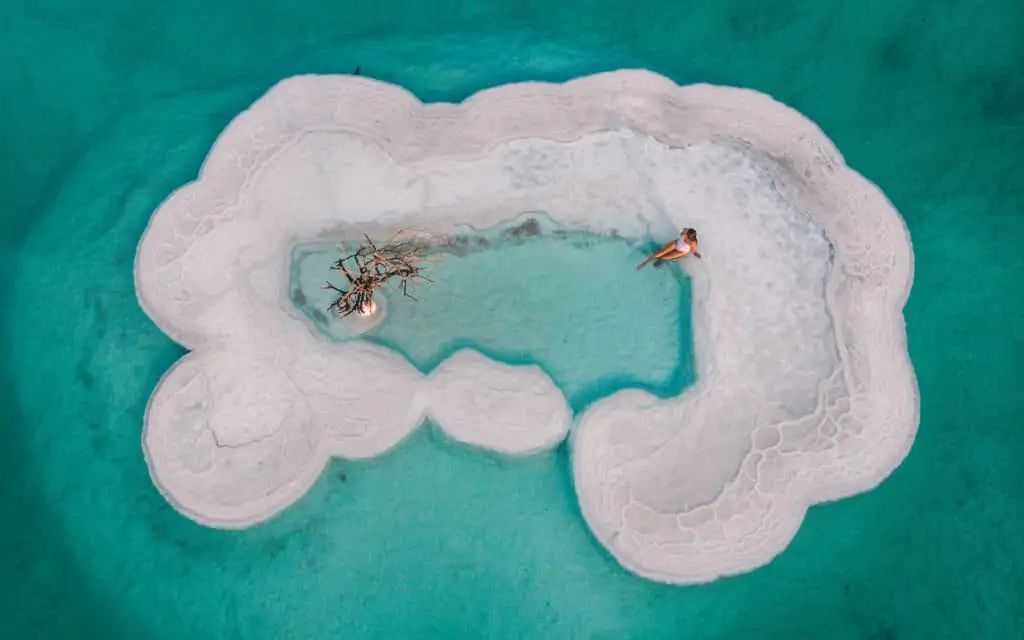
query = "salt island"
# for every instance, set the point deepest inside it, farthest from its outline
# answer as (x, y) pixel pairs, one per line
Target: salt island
(804, 389)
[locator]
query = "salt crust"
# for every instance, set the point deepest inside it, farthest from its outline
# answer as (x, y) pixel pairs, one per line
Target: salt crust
(805, 390)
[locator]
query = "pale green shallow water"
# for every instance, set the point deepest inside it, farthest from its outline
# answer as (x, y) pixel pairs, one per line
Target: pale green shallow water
(575, 306)
(107, 107)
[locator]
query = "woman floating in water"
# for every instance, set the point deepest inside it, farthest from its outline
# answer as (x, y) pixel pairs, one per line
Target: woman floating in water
(682, 247)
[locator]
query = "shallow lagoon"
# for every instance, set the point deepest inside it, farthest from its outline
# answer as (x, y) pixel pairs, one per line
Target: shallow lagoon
(572, 304)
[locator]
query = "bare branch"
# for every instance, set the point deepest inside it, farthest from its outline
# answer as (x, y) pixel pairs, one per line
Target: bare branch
(374, 267)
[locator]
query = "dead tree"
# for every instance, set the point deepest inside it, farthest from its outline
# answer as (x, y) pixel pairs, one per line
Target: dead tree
(372, 267)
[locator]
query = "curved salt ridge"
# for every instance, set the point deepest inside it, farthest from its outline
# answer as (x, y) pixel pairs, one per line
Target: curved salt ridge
(508, 409)
(805, 392)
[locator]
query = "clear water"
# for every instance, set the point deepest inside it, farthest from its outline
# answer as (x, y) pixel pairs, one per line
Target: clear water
(108, 106)
(574, 305)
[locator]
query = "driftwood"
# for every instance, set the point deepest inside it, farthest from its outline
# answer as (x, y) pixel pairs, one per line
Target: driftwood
(372, 267)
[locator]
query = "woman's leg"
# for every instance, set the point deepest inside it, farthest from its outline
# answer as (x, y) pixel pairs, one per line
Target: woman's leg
(664, 251)
(665, 255)
(658, 255)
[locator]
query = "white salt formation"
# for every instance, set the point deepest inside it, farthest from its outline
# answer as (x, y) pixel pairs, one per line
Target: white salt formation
(805, 391)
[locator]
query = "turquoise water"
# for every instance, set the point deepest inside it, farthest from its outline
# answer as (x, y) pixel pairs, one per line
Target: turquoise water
(108, 106)
(575, 306)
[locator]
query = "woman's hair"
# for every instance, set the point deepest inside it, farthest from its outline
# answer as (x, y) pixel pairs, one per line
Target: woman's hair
(691, 234)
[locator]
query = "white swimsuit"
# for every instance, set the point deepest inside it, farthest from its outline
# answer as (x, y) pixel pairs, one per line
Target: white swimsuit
(682, 246)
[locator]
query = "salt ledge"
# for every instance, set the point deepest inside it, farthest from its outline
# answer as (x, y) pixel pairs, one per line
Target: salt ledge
(805, 390)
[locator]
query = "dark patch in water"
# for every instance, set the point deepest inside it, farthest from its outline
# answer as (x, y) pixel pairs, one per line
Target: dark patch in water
(99, 438)
(527, 229)
(458, 245)
(463, 245)
(893, 56)
(275, 546)
(83, 375)
(98, 309)
(319, 316)
(1002, 96)
(298, 297)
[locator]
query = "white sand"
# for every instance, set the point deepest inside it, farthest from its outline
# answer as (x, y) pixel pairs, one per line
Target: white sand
(805, 390)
